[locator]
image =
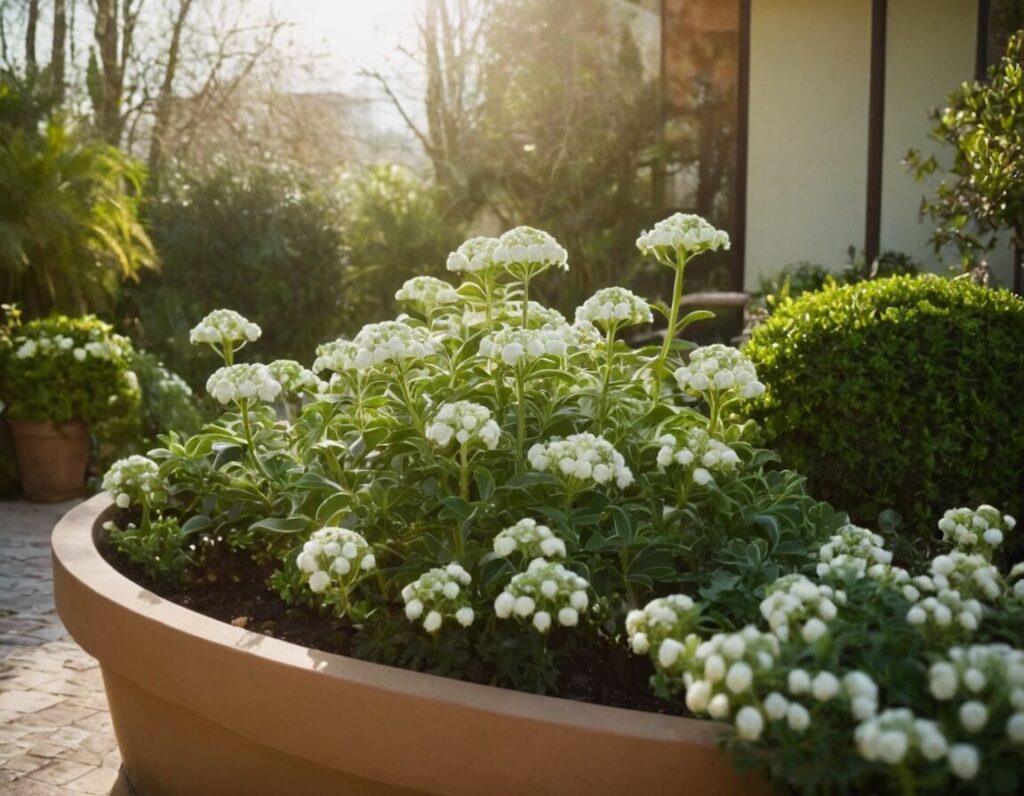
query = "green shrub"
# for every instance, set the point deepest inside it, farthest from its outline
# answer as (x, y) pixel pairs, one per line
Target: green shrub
(64, 369)
(264, 240)
(393, 231)
(898, 393)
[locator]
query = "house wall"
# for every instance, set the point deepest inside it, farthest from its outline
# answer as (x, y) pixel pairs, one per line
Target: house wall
(808, 132)
(810, 69)
(930, 49)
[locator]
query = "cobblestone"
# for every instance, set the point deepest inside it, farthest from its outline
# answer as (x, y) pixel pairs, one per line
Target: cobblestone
(55, 732)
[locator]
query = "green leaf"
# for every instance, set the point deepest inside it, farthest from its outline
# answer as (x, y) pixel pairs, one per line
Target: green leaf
(286, 525)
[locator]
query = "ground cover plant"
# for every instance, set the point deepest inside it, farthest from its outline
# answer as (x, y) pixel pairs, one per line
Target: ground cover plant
(485, 490)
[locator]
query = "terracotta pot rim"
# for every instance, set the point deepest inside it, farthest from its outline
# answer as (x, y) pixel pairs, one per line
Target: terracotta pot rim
(106, 612)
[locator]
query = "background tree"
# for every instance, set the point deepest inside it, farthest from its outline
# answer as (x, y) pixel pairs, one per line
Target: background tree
(982, 198)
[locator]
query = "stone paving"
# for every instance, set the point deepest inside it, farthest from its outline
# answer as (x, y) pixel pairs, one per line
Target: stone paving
(55, 731)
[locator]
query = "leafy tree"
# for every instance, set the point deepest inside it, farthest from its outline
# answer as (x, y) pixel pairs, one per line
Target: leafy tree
(69, 226)
(983, 196)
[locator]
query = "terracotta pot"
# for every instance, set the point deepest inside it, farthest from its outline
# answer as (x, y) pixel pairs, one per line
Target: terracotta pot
(202, 707)
(52, 458)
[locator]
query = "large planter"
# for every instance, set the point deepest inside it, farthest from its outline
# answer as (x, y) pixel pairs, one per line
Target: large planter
(202, 707)
(52, 458)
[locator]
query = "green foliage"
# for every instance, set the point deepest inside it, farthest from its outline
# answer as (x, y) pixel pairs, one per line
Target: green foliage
(898, 393)
(983, 122)
(64, 369)
(393, 230)
(264, 240)
(159, 547)
(69, 227)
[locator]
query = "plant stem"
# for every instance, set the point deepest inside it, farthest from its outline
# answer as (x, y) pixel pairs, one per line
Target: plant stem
(243, 407)
(631, 601)
(670, 331)
(463, 472)
(526, 301)
(602, 404)
(520, 418)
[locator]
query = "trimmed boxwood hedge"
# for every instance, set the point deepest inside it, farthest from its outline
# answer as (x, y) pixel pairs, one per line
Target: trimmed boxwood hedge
(903, 393)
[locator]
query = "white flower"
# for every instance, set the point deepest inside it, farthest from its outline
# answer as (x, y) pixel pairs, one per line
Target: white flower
(440, 591)
(964, 760)
(891, 735)
(798, 682)
(546, 589)
(979, 530)
(718, 707)
(613, 308)
(319, 581)
(468, 423)
(698, 448)
(27, 349)
(135, 479)
(582, 457)
(512, 346)
(794, 601)
(749, 723)
(698, 695)
(326, 560)
(242, 383)
(719, 370)
(338, 356)
(222, 328)
(530, 539)
(824, 686)
(797, 717)
(293, 378)
(681, 234)
(776, 706)
(665, 618)
(973, 716)
(426, 293)
(1015, 728)
(391, 341)
(739, 677)
(473, 256)
(524, 252)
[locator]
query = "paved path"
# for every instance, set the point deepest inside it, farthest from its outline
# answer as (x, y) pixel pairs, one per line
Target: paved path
(55, 732)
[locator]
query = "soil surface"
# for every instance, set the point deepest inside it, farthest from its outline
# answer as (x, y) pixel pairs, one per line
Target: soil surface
(233, 588)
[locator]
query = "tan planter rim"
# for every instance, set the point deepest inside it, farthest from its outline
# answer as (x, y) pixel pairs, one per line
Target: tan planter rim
(105, 612)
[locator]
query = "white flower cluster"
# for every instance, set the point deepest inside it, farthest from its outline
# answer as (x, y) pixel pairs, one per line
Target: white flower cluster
(658, 627)
(945, 610)
(337, 355)
(896, 733)
(440, 594)
(135, 479)
(243, 382)
(525, 251)
(614, 307)
(511, 345)
(681, 232)
(467, 422)
(701, 452)
(989, 679)
(334, 557)
(969, 573)
(719, 370)
(473, 256)
(546, 591)
(720, 679)
(391, 341)
(537, 315)
(426, 293)
(293, 378)
(582, 457)
(982, 529)
(794, 602)
(853, 552)
(530, 539)
(224, 327)
(99, 347)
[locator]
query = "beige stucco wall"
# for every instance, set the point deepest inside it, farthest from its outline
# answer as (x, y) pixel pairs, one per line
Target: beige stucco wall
(807, 181)
(930, 50)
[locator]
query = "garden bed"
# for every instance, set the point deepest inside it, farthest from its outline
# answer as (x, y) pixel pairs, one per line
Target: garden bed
(201, 706)
(233, 588)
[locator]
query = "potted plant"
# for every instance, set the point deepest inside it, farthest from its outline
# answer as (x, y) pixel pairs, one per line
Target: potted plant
(58, 375)
(484, 491)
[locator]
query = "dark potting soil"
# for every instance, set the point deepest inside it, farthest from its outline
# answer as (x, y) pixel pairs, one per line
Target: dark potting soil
(233, 588)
